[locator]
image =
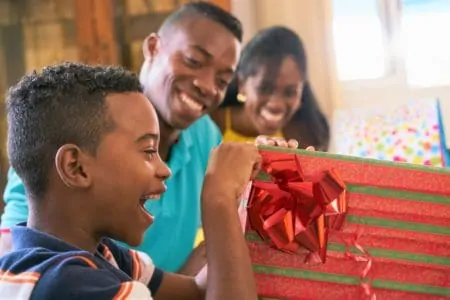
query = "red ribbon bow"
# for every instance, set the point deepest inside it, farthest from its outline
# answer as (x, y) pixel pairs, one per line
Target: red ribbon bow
(295, 211)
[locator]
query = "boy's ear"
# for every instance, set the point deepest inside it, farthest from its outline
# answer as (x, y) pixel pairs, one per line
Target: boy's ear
(151, 46)
(72, 166)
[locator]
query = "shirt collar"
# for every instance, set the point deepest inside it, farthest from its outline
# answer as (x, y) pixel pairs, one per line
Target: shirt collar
(180, 153)
(24, 237)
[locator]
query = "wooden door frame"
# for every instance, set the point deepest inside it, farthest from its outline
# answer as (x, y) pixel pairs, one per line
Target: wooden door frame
(95, 30)
(96, 38)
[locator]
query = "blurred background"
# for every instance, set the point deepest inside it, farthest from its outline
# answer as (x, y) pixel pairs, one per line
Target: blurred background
(362, 54)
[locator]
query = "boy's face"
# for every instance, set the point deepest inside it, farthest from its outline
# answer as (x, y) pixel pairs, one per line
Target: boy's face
(187, 72)
(127, 170)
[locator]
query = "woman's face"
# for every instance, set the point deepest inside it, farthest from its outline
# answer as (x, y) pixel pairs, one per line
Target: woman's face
(272, 99)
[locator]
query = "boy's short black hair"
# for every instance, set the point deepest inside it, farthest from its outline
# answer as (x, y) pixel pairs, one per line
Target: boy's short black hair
(62, 104)
(207, 10)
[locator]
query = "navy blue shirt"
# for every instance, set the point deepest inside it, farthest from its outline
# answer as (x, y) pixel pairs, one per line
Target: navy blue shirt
(41, 266)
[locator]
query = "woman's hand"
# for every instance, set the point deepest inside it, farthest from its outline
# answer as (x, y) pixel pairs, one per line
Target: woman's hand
(280, 142)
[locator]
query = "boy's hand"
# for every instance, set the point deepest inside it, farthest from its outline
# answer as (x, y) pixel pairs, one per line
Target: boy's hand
(230, 273)
(230, 167)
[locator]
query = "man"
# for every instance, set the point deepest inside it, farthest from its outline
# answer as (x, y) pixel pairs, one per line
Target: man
(185, 74)
(85, 142)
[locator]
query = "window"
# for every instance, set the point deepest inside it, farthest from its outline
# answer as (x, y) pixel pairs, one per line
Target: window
(425, 41)
(367, 34)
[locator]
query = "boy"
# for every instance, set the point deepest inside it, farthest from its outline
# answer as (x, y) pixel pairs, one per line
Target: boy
(84, 140)
(183, 63)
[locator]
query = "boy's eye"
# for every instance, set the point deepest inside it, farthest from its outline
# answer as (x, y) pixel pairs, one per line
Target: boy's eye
(150, 153)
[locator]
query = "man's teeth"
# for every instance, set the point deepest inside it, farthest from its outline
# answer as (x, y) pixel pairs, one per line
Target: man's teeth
(271, 116)
(191, 102)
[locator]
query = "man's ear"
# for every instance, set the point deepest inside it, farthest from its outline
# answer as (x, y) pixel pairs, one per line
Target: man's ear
(72, 166)
(151, 46)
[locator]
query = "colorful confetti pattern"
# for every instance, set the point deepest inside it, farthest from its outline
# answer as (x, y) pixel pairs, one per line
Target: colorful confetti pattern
(407, 133)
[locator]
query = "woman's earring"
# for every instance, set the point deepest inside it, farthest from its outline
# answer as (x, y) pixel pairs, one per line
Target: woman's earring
(241, 98)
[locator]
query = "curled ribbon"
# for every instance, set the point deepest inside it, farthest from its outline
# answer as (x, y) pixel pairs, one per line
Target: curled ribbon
(364, 256)
(295, 211)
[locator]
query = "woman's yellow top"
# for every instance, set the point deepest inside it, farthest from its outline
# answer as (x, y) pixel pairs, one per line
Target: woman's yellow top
(230, 135)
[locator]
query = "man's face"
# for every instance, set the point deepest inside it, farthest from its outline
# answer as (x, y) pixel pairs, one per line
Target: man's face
(187, 73)
(127, 170)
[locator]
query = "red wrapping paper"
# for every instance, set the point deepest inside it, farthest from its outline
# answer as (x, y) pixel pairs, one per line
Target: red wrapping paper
(402, 213)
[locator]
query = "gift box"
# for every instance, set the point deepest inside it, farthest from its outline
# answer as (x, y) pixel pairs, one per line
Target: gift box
(378, 229)
(410, 132)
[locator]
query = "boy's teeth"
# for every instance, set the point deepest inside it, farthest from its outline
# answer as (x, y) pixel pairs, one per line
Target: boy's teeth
(152, 196)
(191, 102)
(270, 116)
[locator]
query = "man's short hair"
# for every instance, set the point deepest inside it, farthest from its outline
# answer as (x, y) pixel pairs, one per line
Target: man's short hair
(62, 104)
(207, 10)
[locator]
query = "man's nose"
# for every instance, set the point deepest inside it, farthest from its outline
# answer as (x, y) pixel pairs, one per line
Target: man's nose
(206, 86)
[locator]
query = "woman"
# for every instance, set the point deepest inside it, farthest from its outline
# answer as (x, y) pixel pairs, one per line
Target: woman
(270, 94)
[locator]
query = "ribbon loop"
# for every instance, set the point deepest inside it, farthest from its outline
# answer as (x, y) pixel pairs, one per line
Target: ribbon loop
(295, 211)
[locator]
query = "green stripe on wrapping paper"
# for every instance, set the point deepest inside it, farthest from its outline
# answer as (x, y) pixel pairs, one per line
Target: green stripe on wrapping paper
(378, 252)
(263, 176)
(394, 224)
(356, 159)
(398, 194)
(397, 255)
(350, 280)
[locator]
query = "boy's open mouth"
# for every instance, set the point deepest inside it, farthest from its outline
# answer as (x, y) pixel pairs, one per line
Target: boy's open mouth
(142, 202)
(150, 197)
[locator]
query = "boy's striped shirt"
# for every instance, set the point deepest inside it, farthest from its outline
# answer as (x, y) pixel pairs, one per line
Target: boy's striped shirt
(44, 267)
